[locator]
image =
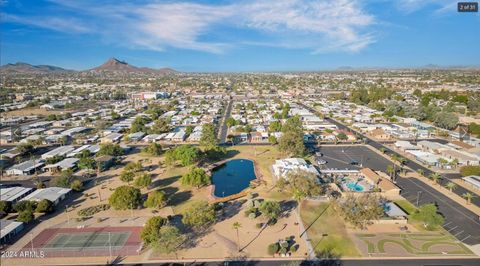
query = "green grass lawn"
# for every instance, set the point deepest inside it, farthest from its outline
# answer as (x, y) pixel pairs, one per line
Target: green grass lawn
(406, 206)
(338, 242)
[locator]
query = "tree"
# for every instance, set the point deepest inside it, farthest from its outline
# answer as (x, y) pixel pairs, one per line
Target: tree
(198, 214)
(125, 197)
(156, 199)
(451, 186)
(468, 197)
(153, 149)
(435, 177)
(342, 136)
(5, 207)
(447, 120)
(196, 177)
(186, 154)
(292, 144)
(44, 206)
(160, 125)
(301, 185)
(275, 126)
(169, 239)
(25, 148)
(360, 211)
(428, 215)
(87, 162)
(76, 185)
(230, 122)
(25, 205)
(272, 139)
(236, 226)
(143, 180)
(271, 209)
(25, 216)
(110, 149)
(151, 231)
(64, 179)
(390, 170)
(208, 140)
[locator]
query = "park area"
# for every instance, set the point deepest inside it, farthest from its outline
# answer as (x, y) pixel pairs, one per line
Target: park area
(326, 230)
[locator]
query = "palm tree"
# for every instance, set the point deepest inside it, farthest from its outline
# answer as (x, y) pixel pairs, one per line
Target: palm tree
(451, 186)
(390, 170)
(435, 177)
(420, 171)
(468, 197)
(236, 226)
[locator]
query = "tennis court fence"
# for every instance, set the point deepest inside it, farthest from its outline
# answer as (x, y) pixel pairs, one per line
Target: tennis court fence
(106, 251)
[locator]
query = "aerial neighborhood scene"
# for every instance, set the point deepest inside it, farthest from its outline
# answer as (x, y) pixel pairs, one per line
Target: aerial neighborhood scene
(239, 133)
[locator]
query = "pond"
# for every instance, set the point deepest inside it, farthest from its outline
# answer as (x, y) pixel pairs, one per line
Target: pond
(232, 177)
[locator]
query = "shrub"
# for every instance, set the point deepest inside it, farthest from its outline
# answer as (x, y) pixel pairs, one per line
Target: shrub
(273, 248)
(294, 248)
(92, 210)
(76, 185)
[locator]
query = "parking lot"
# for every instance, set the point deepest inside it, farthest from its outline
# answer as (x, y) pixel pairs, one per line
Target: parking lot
(459, 221)
(341, 157)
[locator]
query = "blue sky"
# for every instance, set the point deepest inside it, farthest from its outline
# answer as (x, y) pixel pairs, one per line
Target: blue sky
(241, 35)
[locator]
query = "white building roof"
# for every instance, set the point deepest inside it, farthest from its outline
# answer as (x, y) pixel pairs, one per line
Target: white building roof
(62, 150)
(7, 226)
(13, 193)
(50, 193)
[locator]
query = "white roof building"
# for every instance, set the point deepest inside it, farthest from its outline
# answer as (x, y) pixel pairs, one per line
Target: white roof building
(282, 168)
(60, 151)
(53, 194)
(14, 194)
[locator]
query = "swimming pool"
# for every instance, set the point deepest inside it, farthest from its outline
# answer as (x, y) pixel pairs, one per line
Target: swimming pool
(232, 177)
(355, 187)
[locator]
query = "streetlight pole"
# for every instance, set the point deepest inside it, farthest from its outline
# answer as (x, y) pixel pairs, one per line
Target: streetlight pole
(418, 196)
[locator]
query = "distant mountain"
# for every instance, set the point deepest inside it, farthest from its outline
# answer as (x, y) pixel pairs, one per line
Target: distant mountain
(114, 65)
(32, 69)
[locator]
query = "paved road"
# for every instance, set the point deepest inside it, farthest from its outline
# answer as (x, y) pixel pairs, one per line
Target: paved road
(361, 262)
(223, 127)
(459, 221)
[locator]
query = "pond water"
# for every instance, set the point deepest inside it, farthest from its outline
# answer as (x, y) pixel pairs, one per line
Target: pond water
(232, 177)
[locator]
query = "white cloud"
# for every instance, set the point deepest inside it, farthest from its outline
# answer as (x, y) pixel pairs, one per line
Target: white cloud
(320, 25)
(62, 24)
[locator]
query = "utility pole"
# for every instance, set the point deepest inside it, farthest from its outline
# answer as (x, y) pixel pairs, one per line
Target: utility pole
(418, 196)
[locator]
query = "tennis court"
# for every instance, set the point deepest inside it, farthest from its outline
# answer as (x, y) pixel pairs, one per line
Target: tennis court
(88, 240)
(93, 241)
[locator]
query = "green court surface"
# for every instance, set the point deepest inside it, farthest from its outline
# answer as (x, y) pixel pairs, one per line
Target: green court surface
(88, 240)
